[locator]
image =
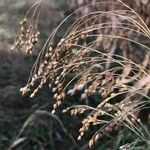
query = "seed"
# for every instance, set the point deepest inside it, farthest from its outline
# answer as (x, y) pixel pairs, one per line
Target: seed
(55, 96)
(24, 20)
(83, 96)
(71, 92)
(59, 103)
(53, 111)
(79, 137)
(81, 86)
(22, 29)
(55, 106)
(21, 23)
(37, 34)
(54, 89)
(32, 95)
(13, 48)
(91, 142)
(56, 82)
(28, 31)
(96, 137)
(50, 49)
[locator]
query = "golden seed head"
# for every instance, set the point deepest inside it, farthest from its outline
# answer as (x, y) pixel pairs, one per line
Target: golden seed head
(91, 142)
(13, 48)
(55, 106)
(38, 33)
(53, 111)
(59, 98)
(28, 31)
(54, 89)
(82, 133)
(96, 137)
(79, 137)
(59, 103)
(56, 82)
(55, 96)
(24, 20)
(21, 23)
(22, 29)
(60, 85)
(32, 95)
(50, 49)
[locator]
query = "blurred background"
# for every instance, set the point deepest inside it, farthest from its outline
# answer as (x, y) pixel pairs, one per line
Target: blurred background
(27, 123)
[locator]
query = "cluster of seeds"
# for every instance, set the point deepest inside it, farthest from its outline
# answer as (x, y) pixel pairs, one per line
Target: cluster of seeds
(105, 130)
(19, 42)
(86, 123)
(27, 37)
(31, 39)
(28, 34)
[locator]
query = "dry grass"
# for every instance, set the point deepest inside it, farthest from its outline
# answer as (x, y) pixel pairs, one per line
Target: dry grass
(99, 54)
